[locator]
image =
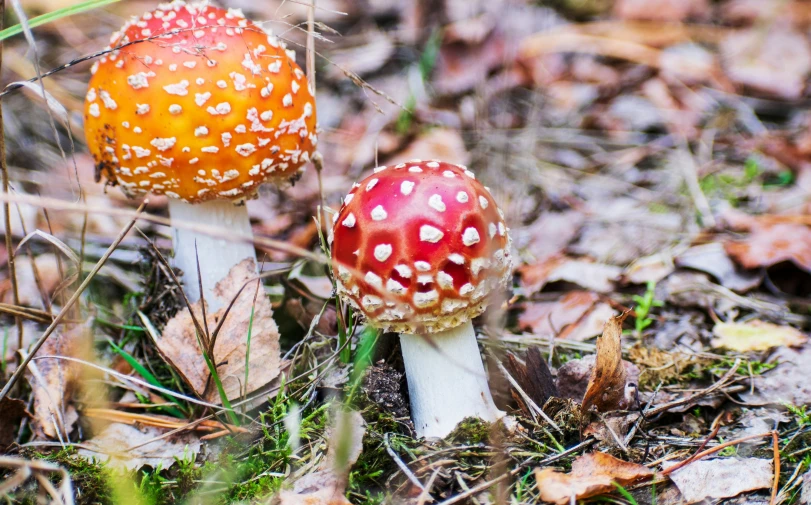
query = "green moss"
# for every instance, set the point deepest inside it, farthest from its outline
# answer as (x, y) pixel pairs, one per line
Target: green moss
(470, 431)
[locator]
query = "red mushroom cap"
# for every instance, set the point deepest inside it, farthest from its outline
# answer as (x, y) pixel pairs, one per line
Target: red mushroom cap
(198, 104)
(419, 247)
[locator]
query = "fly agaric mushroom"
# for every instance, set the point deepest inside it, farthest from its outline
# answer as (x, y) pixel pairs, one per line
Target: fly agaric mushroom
(201, 105)
(418, 248)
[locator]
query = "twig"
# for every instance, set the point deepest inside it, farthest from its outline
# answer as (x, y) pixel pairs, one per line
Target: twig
(713, 450)
(534, 408)
(682, 401)
(773, 499)
(12, 271)
(399, 462)
(73, 299)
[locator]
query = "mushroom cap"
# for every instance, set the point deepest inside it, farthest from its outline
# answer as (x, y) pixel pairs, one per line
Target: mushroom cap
(419, 247)
(198, 103)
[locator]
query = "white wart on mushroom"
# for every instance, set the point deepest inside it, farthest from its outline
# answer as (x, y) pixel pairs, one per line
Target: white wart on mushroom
(418, 246)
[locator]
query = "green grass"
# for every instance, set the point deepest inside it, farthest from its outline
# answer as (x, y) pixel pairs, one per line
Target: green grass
(644, 304)
(54, 16)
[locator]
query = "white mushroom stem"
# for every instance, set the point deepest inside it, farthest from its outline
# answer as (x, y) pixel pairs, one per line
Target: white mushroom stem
(217, 254)
(446, 380)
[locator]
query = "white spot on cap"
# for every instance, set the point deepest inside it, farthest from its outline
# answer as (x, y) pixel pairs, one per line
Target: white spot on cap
(430, 234)
(436, 203)
(141, 108)
(426, 299)
(109, 103)
(210, 149)
(275, 67)
(140, 152)
(422, 266)
(483, 202)
(373, 280)
(245, 149)
(371, 184)
(163, 144)
(287, 100)
(448, 174)
(406, 187)
(175, 109)
(456, 258)
(222, 84)
(93, 110)
(379, 213)
(379, 169)
(395, 287)
(501, 229)
(432, 164)
(444, 280)
(491, 230)
(138, 81)
(348, 198)
(414, 170)
(201, 98)
(179, 89)
(466, 289)
(189, 64)
(221, 108)
(371, 302)
(200, 131)
(382, 252)
(462, 197)
(425, 279)
(470, 174)
(349, 221)
(470, 236)
(404, 271)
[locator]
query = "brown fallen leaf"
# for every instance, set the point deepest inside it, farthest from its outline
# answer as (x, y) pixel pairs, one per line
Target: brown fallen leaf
(721, 478)
(592, 474)
(327, 485)
(581, 271)
(606, 389)
(534, 376)
(776, 61)
(768, 245)
(756, 335)
(660, 10)
(578, 315)
(117, 444)
(53, 382)
(786, 383)
(179, 345)
(712, 259)
(573, 377)
(12, 412)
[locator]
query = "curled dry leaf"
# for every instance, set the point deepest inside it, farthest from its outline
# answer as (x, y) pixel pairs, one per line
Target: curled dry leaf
(53, 382)
(12, 411)
(721, 478)
(592, 475)
(756, 335)
(179, 345)
(606, 389)
(581, 271)
(118, 445)
(713, 259)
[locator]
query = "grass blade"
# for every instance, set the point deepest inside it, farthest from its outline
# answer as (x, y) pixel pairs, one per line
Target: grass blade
(55, 15)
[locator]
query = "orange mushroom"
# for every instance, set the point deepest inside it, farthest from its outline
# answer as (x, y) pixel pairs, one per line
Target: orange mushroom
(199, 104)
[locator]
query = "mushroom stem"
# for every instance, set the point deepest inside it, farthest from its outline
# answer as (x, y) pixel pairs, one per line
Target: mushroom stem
(446, 380)
(217, 255)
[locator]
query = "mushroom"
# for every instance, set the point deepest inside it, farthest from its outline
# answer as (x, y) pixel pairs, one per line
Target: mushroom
(199, 104)
(418, 248)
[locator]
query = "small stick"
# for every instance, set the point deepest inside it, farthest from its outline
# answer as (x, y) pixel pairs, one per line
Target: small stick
(773, 499)
(402, 466)
(72, 301)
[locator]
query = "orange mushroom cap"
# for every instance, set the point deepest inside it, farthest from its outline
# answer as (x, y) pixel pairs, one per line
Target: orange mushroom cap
(420, 246)
(198, 103)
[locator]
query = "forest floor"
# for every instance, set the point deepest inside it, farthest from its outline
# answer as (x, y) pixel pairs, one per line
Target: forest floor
(653, 161)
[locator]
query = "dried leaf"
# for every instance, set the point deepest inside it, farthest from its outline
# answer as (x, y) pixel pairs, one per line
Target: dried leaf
(712, 259)
(606, 389)
(534, 377)
(440, 143)
(583, 272)
(573, 377)
(117, 443)
(578, 315)
(12, 412)
(53, 381)
(179, 346)
(660, 10)
(756, 335)
(592, 475)
(786, 383)
(768, 245)
(776, 61)
(721, 478)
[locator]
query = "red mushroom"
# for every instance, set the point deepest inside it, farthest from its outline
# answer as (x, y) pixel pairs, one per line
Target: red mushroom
(418, 248)
(201, 105)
